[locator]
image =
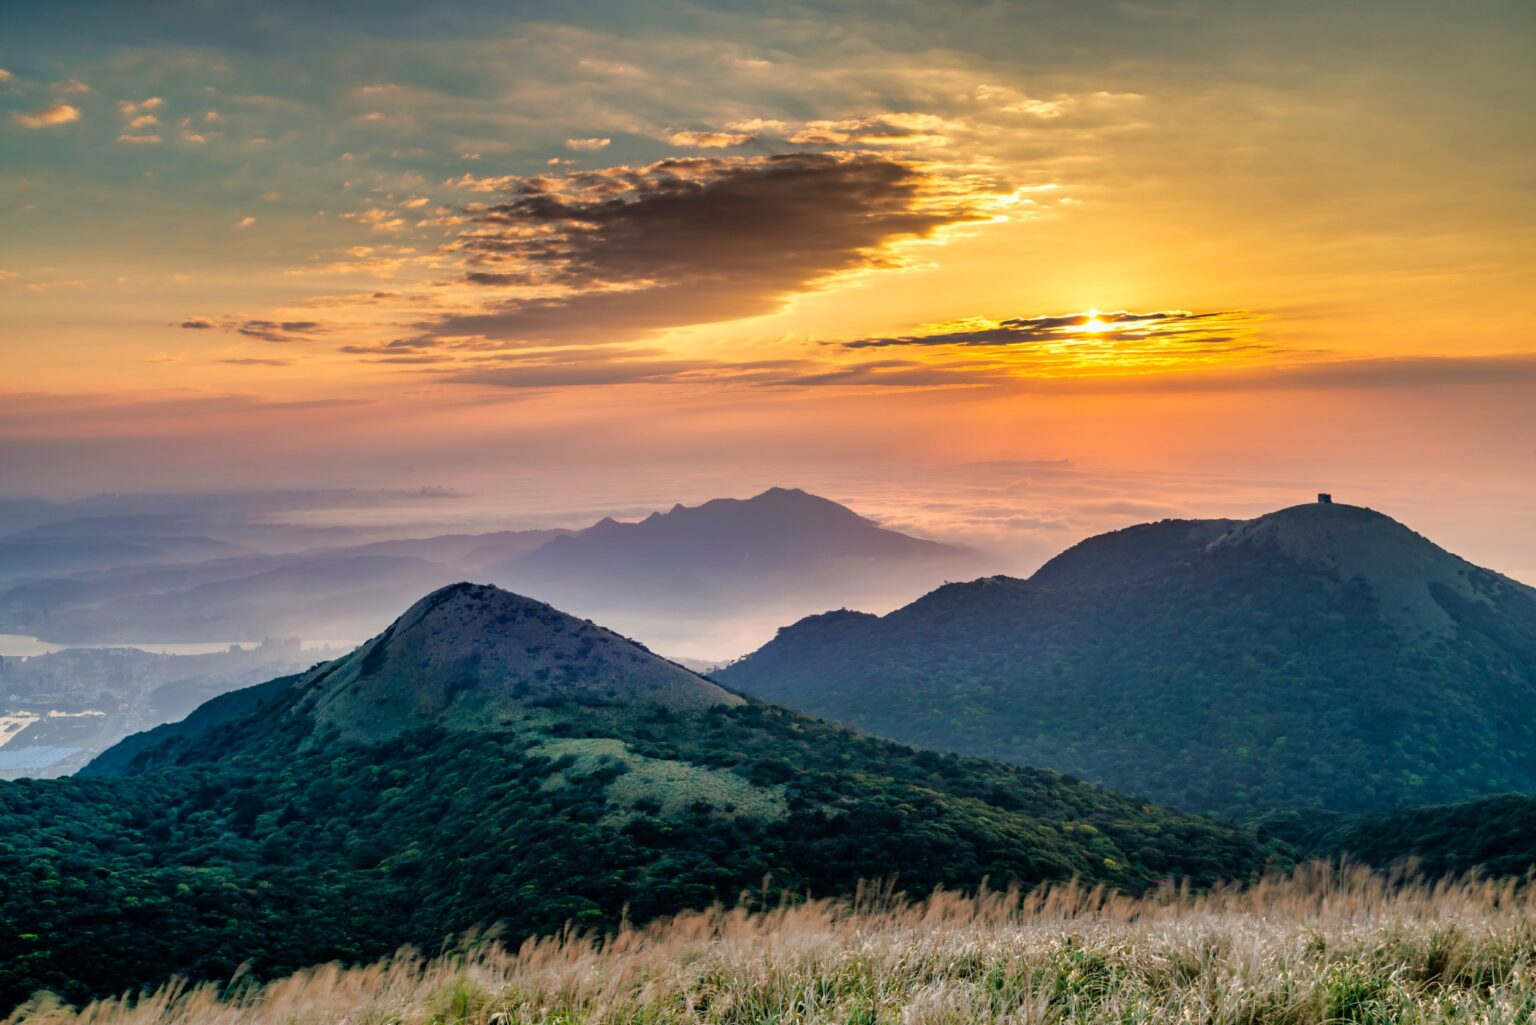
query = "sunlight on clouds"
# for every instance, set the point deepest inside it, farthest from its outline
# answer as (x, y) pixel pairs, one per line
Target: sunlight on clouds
(53, 114)
(1089, 343)
(463, 257)
(709, 140)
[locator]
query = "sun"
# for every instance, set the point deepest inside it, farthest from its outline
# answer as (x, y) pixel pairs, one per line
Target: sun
(1093, 325)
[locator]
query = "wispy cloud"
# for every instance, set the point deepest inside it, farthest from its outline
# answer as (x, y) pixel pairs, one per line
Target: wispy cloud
(1087, 326)
(709, 139)
(140, 120)
(281, 331)
(53, 114)
(377, 219)
(277, 331)
(1120, 341)
(903, 129)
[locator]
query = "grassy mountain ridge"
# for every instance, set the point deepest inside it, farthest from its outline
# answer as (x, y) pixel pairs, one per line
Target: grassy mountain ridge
(311, 822)
(1227, 666)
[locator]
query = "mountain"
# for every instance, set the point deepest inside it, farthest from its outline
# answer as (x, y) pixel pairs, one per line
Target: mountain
(709, 581)
(489, 759)
(119, 759)
(1320, 656)
(93, 543)
(1495, 835)
(463, 657)
(673, 576)
(469, 550)
(338, 592)
(335, 596)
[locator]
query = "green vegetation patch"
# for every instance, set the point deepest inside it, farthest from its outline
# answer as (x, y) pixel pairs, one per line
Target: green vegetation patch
(669, 789)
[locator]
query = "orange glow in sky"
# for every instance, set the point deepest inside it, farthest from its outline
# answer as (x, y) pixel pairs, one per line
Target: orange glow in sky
(366, 247)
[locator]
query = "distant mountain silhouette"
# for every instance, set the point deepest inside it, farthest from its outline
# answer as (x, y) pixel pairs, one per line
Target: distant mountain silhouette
(102, 542)
(1322, 655)
(488, 759)
(470, 550)
(781, 552)
(319, 597)
(710, 580)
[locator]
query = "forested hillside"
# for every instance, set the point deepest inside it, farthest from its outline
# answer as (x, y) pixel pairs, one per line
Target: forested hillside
(489, 760)
(1323, 656)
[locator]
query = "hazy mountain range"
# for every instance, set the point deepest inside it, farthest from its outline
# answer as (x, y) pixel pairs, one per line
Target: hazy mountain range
(710, 581)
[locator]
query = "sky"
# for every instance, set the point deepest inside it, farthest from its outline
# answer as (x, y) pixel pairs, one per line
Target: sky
(1207, 256)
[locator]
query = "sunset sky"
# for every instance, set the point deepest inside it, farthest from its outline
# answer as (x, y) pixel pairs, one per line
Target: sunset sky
(571, 258)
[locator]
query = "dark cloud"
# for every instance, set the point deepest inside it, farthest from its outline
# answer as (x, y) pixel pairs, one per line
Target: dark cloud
(397, 347)
(265, 334)
(198, 324)
(277, 331)
(419, 359)
(253, 361)
(1123, 325)
(686, 241)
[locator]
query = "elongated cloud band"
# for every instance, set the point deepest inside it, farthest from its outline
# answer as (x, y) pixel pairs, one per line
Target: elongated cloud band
(613, 254)
(1123, 325)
